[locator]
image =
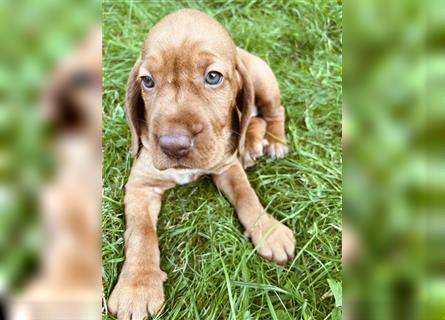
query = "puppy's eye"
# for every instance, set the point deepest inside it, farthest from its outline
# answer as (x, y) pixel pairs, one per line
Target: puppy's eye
(214, 78)
(148, 82)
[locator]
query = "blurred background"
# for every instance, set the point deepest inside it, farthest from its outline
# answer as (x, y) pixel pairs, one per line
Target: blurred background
(393, 148)
(50, 176)
(393, 142)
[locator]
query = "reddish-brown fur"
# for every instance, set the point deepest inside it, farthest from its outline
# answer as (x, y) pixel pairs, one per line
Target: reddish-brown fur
(178, 53)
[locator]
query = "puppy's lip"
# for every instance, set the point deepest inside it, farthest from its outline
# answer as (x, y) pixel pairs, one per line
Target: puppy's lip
(180, 166)
(176, 166)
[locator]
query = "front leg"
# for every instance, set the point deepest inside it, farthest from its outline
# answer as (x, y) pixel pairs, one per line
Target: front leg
(140, 286)
(273, 240)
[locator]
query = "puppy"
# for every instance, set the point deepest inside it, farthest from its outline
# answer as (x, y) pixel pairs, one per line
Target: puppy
(68, 284)
(196, 105)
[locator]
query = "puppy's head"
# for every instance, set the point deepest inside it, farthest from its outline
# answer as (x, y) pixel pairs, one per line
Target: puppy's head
(189, 97)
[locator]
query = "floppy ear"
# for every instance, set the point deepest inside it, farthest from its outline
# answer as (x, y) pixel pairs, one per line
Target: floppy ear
(134, 108)
(244, 102)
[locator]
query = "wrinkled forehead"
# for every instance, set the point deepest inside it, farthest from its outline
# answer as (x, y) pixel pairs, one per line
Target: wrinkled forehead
(190, 56)
(191, 38)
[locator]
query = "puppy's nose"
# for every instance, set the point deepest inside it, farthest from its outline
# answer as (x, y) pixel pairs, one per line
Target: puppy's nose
(176, 146)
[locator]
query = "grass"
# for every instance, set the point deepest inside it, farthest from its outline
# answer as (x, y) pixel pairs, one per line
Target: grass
(213, 270)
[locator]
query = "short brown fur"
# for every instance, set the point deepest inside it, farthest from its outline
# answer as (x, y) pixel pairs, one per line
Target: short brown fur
(231, 125)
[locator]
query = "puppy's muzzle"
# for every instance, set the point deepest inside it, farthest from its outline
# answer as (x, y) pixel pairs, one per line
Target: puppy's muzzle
(175, 145)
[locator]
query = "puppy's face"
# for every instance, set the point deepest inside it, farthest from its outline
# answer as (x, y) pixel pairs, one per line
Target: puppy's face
(189, 94)
(189, 82)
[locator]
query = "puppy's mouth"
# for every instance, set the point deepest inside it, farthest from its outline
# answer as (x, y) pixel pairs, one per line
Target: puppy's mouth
(173, 163)
(180, 166)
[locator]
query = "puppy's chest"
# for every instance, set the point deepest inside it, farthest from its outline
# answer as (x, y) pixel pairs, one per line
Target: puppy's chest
(184, 176)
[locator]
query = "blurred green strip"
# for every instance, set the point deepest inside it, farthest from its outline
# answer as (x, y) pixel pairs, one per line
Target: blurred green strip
(394, 115)
(34, 36)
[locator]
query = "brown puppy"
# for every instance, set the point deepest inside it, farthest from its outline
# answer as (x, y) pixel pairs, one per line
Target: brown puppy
(191, 110)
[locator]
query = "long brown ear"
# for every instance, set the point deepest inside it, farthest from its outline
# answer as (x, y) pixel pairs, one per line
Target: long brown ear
(245, 101)
(134, 107)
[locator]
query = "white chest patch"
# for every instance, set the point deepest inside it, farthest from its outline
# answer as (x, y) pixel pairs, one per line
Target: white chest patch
(184, 176)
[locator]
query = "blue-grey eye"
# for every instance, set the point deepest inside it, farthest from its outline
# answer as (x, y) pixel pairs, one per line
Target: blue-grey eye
(213, 78)
(148, 82)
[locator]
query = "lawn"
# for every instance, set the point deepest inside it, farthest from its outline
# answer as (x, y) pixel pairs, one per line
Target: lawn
(213, 271)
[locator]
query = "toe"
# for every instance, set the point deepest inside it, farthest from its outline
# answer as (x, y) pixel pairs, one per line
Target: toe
(279, 255)
(156, 302)
(289, 247)
(248, 161)
(258, 150)
(124, 315)
(154, 307)
(289, 235)
(277, 150)
(139, 316)
(272, 150)
(140, 313)
(282, 151)
(112, 304)
(266, 252)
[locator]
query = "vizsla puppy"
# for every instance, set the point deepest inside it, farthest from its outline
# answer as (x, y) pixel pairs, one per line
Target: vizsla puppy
(196, 105)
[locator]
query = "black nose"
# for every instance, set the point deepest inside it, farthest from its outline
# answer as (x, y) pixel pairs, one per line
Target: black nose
(176, 146)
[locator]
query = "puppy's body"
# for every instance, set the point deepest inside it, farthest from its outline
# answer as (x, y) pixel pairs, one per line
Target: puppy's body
(196, 105)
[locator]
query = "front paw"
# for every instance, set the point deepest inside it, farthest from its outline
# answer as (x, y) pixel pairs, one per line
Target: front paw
(137, 294)
(276, 150)
(272, 239)
(253, 151)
